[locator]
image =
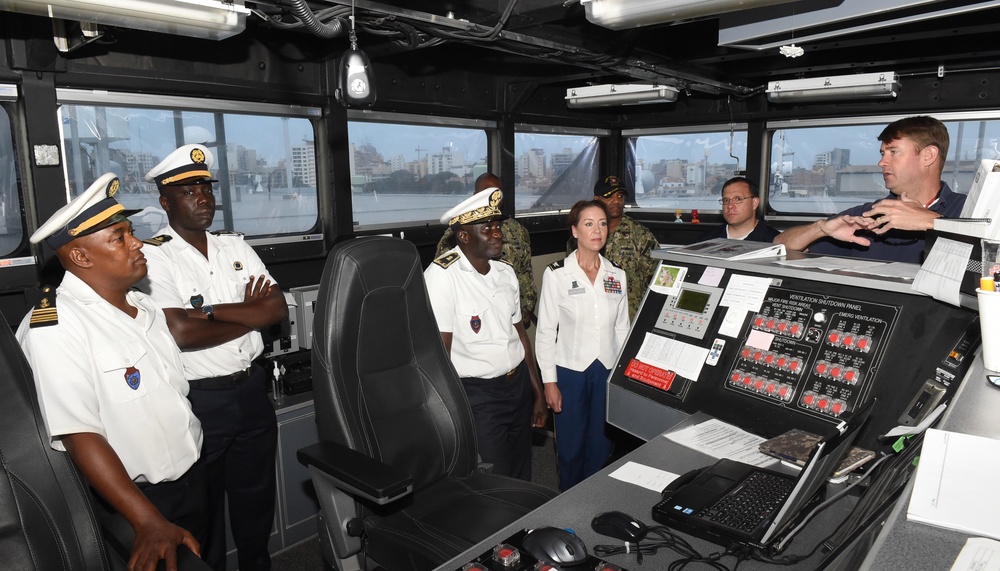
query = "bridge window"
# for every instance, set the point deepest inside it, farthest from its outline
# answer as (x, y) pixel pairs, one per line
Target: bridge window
(11, 221)
(407, 168)
(684, 168)
(265, 156)
(554, 167)
(825, 167)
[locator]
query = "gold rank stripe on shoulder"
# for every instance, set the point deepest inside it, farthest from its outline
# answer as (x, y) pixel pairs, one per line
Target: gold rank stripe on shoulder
(557, 264)
(447, 259)
(226, 233)
(44, 313)
(158, 240)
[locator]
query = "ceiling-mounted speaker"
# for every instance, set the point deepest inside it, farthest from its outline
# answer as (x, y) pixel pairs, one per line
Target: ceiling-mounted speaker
(355, 84)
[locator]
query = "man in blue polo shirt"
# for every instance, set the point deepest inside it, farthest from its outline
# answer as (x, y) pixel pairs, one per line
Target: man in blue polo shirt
(893, 228)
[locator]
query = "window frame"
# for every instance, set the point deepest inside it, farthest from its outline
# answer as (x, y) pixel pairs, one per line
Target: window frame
(601, 134)
(489, 127)
(770, 127)
(705, 128)
(76, 96)
(10, 93)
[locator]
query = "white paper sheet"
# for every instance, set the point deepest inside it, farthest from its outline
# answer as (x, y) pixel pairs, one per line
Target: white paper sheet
(711, 276)
(955, 484)
(645, 476)
(745, 291)
(941, 273)
(721, 440)
(682, 358)
(733, 320)
(978, 554)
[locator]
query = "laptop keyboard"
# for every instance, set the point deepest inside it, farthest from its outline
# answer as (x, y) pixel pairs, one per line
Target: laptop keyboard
(748, 507)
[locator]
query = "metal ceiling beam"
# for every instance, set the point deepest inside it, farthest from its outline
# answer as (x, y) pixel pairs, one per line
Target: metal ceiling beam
(651, 68)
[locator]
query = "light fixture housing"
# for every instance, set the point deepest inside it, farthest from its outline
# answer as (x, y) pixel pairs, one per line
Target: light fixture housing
(883, 85)
(625, 14)
(619, 94)
(209, 19)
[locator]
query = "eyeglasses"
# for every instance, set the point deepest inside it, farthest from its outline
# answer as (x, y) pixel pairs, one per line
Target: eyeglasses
(734, 200)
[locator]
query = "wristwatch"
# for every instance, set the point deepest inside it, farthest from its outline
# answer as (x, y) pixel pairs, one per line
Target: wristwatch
(209, 311)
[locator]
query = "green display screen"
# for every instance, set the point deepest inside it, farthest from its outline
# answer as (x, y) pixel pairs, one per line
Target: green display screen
(694, 301)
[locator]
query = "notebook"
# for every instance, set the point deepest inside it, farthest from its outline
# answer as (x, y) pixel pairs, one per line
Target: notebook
(735, 503)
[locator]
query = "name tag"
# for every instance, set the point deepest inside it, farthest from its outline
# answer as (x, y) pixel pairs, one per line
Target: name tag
(577, 291)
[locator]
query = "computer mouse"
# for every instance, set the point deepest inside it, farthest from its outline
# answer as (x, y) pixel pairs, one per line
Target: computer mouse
(555, 545)
(619, 526)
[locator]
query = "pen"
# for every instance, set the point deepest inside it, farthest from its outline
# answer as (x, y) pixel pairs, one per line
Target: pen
(996, 281)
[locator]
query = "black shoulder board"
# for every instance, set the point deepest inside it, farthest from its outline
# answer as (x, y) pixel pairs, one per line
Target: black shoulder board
(447, 259)
(226, 233)
(44, 313)
(614, 264)
(158, 240)
(557, 264)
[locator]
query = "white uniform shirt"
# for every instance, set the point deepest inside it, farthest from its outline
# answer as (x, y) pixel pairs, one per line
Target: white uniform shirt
(178, 272)
(480, 312)
(579, 321)
(85, 367)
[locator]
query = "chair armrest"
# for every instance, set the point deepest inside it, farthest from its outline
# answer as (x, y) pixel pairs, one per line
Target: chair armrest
(356, 473)
(118, 537)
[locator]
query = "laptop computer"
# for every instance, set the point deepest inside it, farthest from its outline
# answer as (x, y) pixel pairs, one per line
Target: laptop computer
(735, 503)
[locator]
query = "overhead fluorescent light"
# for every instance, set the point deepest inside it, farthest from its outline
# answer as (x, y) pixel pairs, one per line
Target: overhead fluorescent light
(834, 88)
(624, 14)
(209, 19)
(621, 94)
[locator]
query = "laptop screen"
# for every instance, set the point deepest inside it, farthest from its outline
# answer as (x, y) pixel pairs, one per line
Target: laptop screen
(822, 461)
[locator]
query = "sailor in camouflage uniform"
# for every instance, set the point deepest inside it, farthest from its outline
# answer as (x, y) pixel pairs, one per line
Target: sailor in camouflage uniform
(516, 251)
(629, 242)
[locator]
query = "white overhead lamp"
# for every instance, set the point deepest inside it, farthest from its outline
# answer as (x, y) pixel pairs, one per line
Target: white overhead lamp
(209, 19)
(621, 94)
(624, 14)
(883, 85)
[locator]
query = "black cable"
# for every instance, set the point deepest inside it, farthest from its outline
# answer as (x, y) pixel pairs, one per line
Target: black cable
(668, 539)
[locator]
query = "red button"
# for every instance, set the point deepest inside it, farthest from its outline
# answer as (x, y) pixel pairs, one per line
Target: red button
(747, 380)
(822, 403)
(848, 341)
(745, 353)
(808, 399)
(820, 368)
(781, 361)
(782, 326)
(758, 322)
(834, 337)
(862, 343)
(770, 324)
(793, 365)
(769, 359)
(736, 377)
(783, 392)
(835, 372)
(771, 388)
(758, 384)
(849, 376)
(837, 408)
(795, 329)
(757, 356)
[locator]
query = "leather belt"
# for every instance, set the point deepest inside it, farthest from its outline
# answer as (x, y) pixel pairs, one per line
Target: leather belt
(224, 382)
(506, 375)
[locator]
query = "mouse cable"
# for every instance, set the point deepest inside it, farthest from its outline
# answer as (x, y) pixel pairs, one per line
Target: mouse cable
(667, 539)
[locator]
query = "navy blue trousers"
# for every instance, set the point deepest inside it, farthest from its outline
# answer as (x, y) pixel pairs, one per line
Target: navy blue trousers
(582, 446)
(241, 438)
(501, 410)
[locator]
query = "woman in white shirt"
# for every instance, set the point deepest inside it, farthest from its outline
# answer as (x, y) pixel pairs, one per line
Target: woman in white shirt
(582, 324)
